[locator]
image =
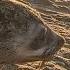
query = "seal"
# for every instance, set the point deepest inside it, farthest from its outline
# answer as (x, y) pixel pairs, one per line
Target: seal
(23, 35)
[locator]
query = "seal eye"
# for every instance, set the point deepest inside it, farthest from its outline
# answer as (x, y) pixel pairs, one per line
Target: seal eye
(8, 31)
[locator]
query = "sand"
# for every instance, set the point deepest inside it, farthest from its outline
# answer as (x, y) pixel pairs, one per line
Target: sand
(56, 15)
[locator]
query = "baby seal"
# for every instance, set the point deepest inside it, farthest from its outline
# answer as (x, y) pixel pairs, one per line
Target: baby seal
(23, 35)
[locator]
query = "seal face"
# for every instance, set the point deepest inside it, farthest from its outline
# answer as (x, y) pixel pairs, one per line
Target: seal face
(23, 36)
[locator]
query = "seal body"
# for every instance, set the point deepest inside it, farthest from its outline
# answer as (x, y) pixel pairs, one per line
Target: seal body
(23, 35)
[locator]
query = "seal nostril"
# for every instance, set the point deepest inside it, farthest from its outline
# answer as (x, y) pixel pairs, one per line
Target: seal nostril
(60, 41)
